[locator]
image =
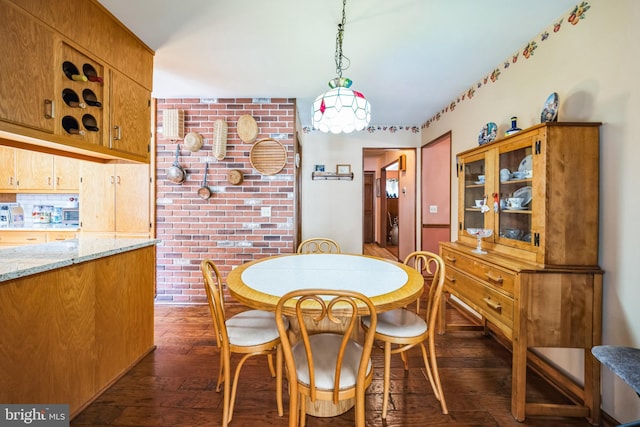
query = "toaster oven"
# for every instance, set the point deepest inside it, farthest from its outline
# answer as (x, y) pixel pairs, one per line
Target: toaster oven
(71, 216)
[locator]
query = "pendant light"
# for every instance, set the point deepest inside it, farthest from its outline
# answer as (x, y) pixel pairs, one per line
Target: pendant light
(340, 109)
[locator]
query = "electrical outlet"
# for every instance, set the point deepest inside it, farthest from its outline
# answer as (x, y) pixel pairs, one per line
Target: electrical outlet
(433, 209)
(265, 211)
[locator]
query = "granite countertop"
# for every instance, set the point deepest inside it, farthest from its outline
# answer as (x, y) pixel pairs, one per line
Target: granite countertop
(31, 259)
(29, 226)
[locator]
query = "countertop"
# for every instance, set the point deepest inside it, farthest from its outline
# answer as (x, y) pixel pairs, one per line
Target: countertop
(32, 259)
(29, 226)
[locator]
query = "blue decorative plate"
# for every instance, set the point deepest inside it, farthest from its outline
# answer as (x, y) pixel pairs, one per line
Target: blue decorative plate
(488, 133)
(550, 109)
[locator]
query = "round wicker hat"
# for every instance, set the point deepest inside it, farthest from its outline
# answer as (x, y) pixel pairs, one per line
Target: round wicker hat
(247, 128)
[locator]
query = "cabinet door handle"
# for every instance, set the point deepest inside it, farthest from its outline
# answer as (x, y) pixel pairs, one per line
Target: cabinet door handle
(57, 180)
(49, 181)
(118, 133)
(494, 305)
(31, 238)
(451, 259)
(452, 279)
(493, 277)
(49, 109)
(113, 179)
(118, 179)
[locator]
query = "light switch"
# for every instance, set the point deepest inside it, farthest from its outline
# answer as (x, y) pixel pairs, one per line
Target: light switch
(433, 209)
(265, 211)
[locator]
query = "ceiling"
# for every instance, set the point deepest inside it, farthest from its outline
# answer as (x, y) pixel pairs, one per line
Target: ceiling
(409, 57)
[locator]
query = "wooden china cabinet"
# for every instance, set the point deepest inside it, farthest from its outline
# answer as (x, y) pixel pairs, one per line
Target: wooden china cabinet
(538, 281)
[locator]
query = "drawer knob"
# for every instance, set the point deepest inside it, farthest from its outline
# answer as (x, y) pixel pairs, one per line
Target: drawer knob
(494, 305)
(451, 259)
(452, 279)
(493, 277)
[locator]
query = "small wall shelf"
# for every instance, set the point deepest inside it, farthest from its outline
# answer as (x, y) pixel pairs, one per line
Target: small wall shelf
(332, 175)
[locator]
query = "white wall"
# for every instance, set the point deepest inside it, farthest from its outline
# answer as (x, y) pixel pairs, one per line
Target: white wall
(594, 68)
(334, 208)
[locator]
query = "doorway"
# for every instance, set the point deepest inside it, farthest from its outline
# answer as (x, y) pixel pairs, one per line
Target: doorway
(436, 193)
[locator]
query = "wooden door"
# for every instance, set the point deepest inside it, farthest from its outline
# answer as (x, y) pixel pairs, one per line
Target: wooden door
(130, 106)
(132, 198)
(66, 172)
(7, 168)
(97, 197)
(27, 64)
(35, 170)
(368, 223)
(436, 193)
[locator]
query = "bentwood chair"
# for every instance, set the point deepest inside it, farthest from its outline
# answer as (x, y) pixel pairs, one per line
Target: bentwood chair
(250, 333)
(402, 329)
(328, 366)
(319, 245)
(419, 262)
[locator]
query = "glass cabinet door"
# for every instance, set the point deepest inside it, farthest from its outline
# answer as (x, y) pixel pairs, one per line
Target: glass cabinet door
(514, 194)
(475, 193)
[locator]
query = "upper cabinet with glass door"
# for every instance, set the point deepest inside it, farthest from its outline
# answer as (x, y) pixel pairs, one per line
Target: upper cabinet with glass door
(540, 189)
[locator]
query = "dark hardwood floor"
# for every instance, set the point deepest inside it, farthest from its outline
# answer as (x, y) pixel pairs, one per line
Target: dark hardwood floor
(175, 385)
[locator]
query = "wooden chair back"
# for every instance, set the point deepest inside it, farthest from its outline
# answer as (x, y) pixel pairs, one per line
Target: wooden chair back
(215, 298)
(339, 312)
(431, 267)
(319, 245)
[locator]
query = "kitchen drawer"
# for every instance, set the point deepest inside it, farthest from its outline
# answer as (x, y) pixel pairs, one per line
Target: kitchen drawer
(57, 236)
(491, 304)
(500, 278)
(15, 238)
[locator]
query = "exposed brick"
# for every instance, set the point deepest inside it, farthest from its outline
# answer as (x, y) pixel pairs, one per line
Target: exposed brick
(227, 227)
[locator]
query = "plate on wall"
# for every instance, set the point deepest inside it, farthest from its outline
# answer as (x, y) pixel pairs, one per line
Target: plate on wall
(488, 133)
(550, 109)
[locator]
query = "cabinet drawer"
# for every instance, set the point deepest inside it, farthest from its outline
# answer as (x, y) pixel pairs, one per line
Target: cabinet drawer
(492, 275)
(57, 236)
(14, 238)
(494, 305)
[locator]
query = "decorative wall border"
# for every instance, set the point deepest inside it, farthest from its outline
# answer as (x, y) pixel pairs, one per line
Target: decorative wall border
(576, 15)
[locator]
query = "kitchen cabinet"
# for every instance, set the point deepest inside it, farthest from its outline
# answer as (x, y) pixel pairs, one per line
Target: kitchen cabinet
(27, 171)
(106, 117)
(8, 179)
(130, 106)
(66, 173)
(536, 280)
(27, 55)
(34, 171)
(115, 199)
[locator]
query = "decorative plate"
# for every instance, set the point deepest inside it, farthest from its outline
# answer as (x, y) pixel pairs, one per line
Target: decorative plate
(524, 193)
(526, 164)
(488, 133)
(550, 109)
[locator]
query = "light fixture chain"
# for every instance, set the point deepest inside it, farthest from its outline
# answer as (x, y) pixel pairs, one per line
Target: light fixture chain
(339, 38)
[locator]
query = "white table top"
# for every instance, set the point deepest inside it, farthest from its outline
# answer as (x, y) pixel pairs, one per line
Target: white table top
(369, 276)
(260, 283)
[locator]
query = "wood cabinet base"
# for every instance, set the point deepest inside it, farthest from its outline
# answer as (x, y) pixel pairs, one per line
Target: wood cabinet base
(533, 307)
(68, 334)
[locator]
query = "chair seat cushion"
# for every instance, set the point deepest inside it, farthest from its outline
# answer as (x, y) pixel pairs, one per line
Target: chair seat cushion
(252, 327)
(398, 323)
(324, 348)
(623, 361)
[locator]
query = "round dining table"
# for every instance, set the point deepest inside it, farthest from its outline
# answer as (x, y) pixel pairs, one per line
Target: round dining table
(260, 283)
(388, 284)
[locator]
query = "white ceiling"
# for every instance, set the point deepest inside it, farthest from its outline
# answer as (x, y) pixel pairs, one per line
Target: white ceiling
(409, 57)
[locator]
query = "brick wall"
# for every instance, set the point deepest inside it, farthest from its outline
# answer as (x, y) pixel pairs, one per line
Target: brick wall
(228, 227)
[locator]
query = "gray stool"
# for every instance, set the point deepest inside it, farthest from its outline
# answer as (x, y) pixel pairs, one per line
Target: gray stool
(625, 363)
